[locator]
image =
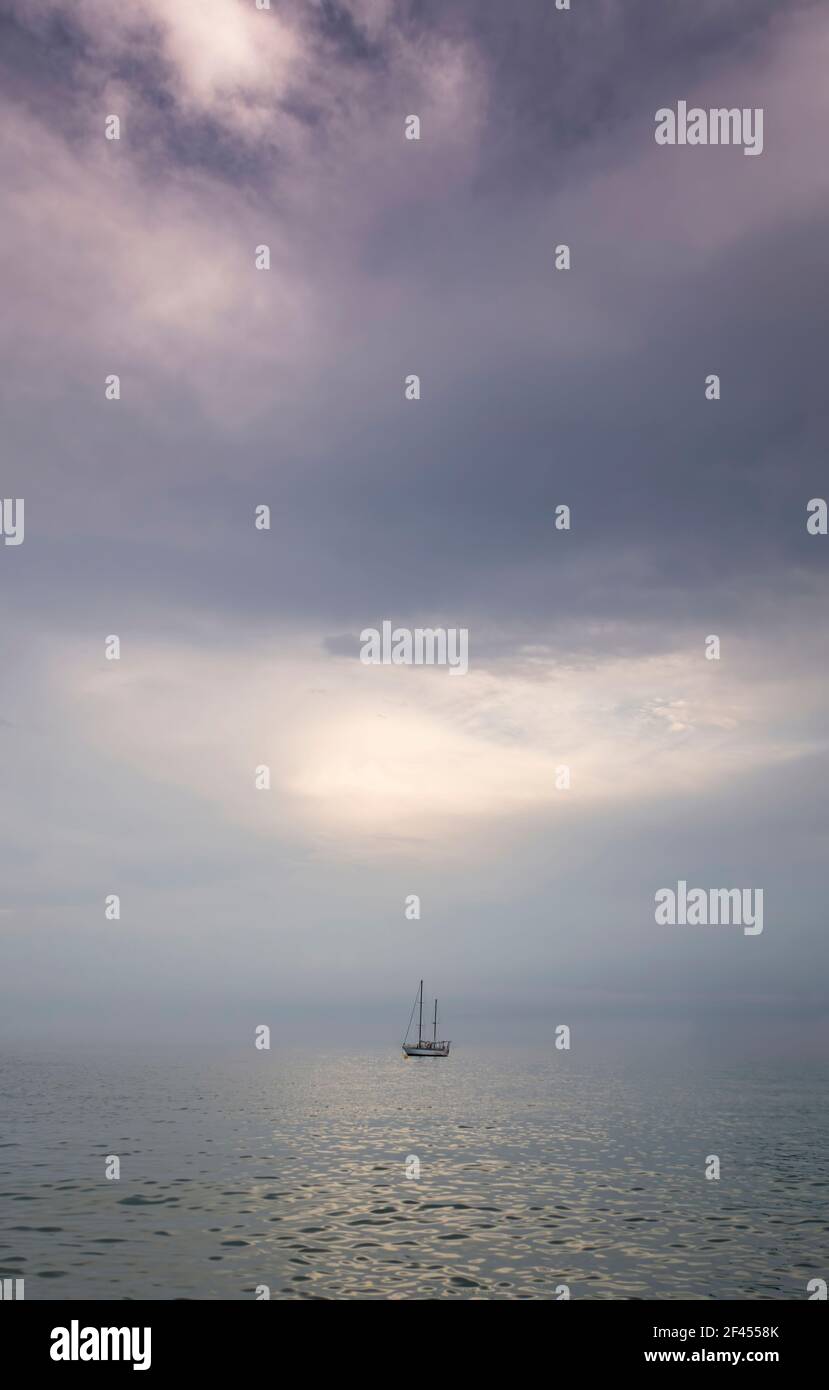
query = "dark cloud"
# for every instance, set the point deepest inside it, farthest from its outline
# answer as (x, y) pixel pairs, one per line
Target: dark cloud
(538, 388)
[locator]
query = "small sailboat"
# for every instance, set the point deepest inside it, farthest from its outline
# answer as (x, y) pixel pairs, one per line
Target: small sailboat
(424, 1047)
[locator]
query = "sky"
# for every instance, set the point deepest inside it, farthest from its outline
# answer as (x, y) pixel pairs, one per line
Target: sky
(240, 388)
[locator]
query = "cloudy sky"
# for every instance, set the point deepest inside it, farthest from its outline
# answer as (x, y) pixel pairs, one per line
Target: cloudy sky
(239, 647)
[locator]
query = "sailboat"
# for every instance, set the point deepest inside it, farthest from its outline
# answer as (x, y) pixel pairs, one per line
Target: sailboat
(424, 1047)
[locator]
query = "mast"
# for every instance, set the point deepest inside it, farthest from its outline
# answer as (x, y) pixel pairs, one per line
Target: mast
(435, 1034)
(420, 1024)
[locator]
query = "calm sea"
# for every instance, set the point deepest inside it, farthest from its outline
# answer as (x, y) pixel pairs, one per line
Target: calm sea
(290, 1170)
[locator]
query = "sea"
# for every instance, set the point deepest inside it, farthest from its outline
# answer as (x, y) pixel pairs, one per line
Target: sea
(495, 1174)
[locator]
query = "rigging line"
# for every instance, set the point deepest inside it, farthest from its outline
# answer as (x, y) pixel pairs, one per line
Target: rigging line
(411, 1016)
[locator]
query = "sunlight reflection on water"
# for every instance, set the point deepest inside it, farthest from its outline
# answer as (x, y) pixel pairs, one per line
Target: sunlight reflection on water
(291, 1172)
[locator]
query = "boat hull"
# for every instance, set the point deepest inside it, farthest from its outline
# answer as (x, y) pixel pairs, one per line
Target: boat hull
(409, 1050)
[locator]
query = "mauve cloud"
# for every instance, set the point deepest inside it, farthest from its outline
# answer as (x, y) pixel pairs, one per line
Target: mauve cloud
(240, 387)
